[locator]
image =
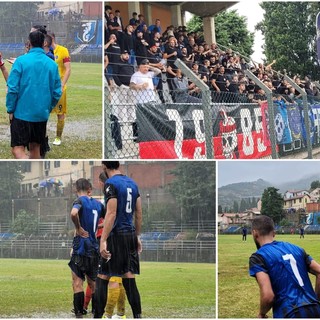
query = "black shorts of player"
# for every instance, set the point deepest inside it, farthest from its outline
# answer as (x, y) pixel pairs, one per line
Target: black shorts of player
(84, 266)
(305, 312)
(124, 255)
(25, 132)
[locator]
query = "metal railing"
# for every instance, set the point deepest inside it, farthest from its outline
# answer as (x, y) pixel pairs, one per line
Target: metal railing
(153, 250)
(216, 125)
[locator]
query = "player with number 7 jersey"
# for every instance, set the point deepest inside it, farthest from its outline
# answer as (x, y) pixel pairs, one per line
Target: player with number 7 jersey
(282, 272)
(84, 261)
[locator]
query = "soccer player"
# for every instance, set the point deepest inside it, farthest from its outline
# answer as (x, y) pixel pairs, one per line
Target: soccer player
(281, 270)
(84, 261)
(3, 68)
(120, 242)
(244, 233)
(62, 58)
(28, 110)
(116, 292)
(301, 231)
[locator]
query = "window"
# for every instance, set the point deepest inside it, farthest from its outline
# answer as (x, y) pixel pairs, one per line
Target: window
(26, 166)
(90, 163)
(73, 163)
(47, 165)
(56, 164)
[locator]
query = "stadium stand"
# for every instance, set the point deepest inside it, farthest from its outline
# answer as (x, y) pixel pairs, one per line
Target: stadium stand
(224, 71)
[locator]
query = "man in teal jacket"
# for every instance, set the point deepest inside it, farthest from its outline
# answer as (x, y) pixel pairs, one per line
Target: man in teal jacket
(34, 88)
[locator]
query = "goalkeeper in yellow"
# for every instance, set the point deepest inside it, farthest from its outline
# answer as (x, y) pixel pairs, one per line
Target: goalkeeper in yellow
(63, 60)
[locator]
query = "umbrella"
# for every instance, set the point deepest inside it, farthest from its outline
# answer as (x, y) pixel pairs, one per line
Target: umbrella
(53, 11)
(44, 183)
(55, 181)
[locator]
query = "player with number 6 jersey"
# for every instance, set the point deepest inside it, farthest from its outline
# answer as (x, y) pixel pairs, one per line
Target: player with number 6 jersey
(282, 272)
(120, 242)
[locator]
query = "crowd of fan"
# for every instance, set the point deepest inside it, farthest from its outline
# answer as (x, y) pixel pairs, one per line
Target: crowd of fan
(127, 45)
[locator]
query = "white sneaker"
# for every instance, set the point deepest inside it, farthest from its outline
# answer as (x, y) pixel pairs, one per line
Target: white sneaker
(57, 142)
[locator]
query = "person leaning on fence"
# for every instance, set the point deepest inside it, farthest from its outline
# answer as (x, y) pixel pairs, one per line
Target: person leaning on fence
(142, 84)
(181, 92)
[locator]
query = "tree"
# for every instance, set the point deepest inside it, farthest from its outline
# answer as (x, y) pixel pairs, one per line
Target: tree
(243, 205)
(315, 184)
(235, 206)
(253, 202)
(290, 33)
(231, 31)
(25, 223)
(16, 19)
(194, 189)
(10, 179)
(272, 204)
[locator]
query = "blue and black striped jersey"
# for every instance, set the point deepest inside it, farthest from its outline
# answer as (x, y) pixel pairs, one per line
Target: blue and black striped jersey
(287, 266)
(126, 191)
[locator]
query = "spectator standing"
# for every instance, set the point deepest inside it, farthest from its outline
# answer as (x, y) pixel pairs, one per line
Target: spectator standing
(107, 10)
(156, 27)
(112, 52)
(128, 43)
(141, 49)
(155, 60)
(113, 25)
(134, 21)
(142, 84)
(171, 55)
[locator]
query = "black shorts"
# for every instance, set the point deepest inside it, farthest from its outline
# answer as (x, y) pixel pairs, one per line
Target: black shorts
(305, 312)
(124, 255)
(84, 266)
(25, 132)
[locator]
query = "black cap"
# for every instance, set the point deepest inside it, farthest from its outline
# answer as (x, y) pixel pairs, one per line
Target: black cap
(124, 51)
(144, 62)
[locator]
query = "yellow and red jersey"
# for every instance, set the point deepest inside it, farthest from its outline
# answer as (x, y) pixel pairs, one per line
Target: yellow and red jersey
(62, 56)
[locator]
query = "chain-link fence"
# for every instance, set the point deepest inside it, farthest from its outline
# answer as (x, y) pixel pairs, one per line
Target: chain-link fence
(197, 122)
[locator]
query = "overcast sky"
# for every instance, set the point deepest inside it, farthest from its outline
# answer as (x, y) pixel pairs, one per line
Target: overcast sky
(272, 171)
(254, 14)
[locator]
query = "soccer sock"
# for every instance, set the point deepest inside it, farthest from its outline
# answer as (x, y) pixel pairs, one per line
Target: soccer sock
(78, 300)
(101, 296)
(60, 126)
(133, 296)
(121, 304)
(113, 295)
(93, 303)
(87, 297)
